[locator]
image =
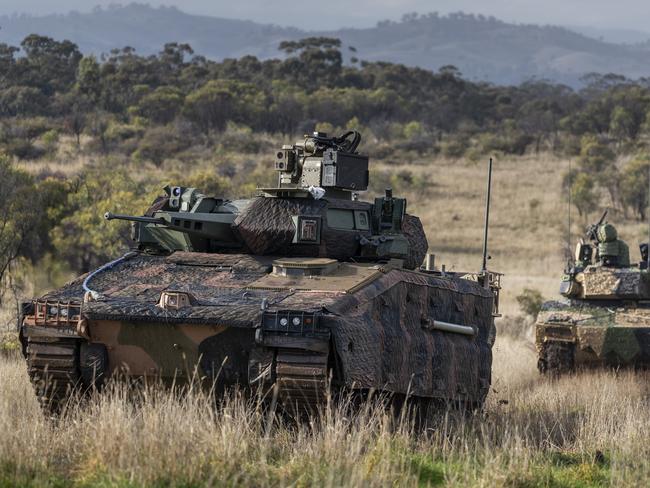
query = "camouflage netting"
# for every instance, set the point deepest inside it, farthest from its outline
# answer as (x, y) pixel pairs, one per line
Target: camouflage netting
(383, 334)
(266, 227)
(418, 245)
(401, 350)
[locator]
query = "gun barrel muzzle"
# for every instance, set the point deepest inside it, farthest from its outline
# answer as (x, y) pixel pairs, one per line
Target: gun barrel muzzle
(133, 218)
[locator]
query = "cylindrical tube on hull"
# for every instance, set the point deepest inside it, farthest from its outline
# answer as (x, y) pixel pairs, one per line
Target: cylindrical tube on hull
(456, 328)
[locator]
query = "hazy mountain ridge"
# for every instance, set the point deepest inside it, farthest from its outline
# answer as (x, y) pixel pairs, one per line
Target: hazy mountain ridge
(481, 47)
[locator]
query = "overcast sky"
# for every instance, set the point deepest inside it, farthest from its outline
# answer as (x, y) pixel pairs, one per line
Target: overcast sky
(329, 14)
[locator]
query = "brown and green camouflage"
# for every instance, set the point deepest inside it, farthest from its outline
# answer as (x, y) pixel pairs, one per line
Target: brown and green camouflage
(286, 291)
(604, 320)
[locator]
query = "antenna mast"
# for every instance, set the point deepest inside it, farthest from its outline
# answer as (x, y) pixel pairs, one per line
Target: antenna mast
(487, 220)
(569, 217)
(648, 252)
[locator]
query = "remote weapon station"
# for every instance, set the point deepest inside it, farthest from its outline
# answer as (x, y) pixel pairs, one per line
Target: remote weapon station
(605, 317)
(294, 290)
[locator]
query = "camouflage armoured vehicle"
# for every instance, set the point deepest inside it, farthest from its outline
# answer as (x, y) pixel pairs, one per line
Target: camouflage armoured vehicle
(604, 320)
(292, 289)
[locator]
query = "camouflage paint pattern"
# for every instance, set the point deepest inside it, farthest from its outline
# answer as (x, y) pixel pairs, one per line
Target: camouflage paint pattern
(595, 334)
(380, 318)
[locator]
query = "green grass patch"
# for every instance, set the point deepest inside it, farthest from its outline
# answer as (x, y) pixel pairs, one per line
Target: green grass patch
(429, 471)
(23, 477)
(566, 470)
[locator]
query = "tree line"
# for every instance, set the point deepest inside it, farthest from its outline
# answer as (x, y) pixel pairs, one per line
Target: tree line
(151, 108)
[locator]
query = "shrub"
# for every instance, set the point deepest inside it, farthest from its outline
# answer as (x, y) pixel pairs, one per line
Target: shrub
(159, 143)
(23, 149)
(634, 185)
(50, 140)
(530, 302)
(583, 193)
(454, 148)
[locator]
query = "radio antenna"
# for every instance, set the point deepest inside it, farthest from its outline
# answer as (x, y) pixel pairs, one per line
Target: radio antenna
(487, 220)
(568, 243)
(648, 252)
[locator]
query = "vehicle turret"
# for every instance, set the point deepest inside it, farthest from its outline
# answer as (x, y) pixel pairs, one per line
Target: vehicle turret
(312, 211)
(606, 274)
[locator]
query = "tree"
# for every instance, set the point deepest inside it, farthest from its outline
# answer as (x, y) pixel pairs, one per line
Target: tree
(583, 194)
(82, 237)
(219, 101)
(22, 100)
(319, 61)
(75, 123)
(634, 185)
(598, 160)
(595, 155)
(18, 210)
(89, 78)
(48, 64)
(7, 64)
(162, 105)
(210, 107)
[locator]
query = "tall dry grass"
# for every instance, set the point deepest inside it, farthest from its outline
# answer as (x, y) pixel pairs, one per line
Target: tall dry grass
(592, 429)
(586, 430)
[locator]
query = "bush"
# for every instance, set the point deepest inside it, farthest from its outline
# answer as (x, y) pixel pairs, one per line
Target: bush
(208, 182)
(50, 140)
(162, 105)
(454, 148)
(530, 302)
(241, 139)
(81, 236)
(160, 143)
(23, 149)
(583, 193)
(634, 185)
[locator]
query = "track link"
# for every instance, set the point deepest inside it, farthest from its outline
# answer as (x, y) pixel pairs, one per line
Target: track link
(53, 367)
(302, 380)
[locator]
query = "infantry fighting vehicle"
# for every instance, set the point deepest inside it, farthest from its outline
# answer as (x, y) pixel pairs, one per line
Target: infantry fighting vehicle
(301, 286)
(604, 320)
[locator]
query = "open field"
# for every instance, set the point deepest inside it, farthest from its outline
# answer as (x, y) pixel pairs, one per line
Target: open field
(587, 430)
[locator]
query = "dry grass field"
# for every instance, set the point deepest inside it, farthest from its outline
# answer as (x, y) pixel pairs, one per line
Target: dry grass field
(588, 430)
(591, 429)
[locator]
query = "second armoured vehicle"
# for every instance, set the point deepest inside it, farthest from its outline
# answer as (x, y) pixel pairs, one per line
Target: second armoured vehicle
(604, 320)
(292, 289)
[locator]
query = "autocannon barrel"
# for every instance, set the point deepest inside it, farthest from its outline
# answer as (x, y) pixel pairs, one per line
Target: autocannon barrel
(133, 218)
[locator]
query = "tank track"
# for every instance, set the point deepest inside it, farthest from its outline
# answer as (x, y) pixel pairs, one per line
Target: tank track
(302, 380)
(556, 358)
(53, 368)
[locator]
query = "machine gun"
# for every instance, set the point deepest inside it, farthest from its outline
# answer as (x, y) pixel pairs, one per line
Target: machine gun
(591, 234)
(584, 250)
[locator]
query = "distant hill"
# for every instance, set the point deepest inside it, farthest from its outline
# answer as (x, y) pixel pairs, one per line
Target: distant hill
(619, 36)
(482, 48)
